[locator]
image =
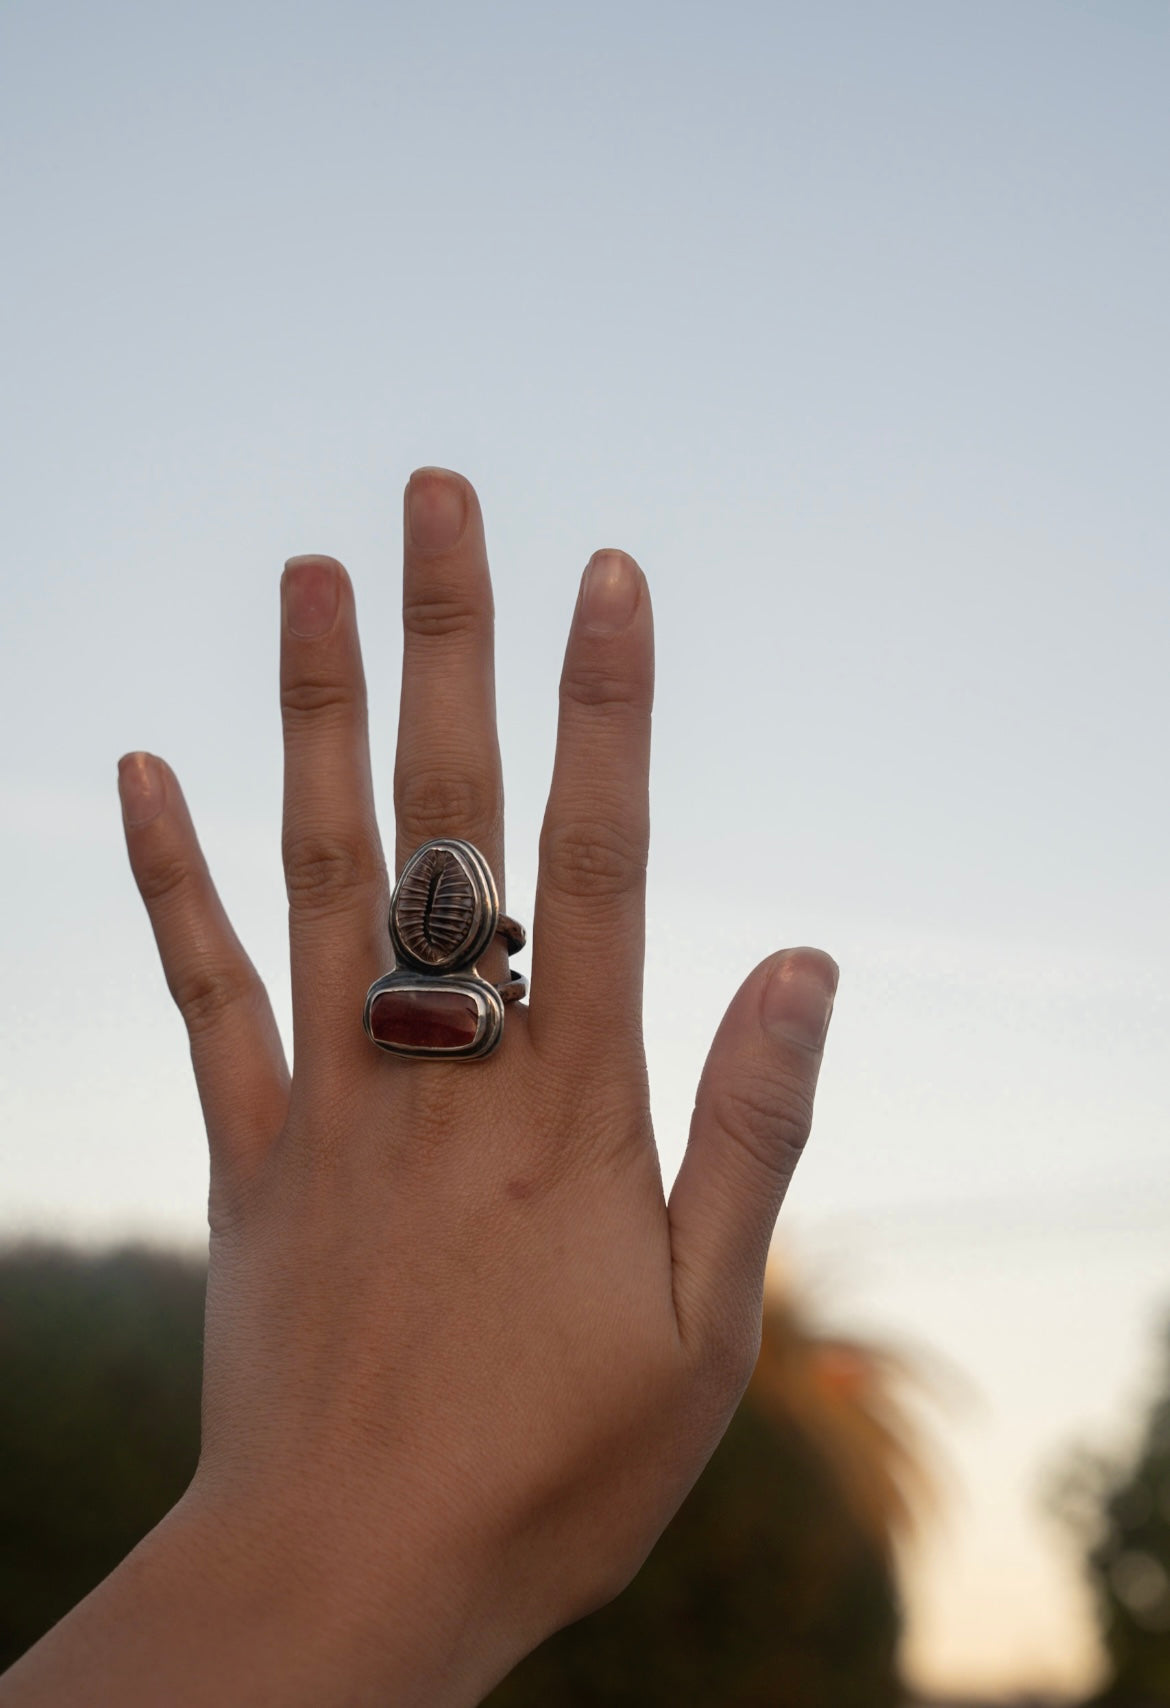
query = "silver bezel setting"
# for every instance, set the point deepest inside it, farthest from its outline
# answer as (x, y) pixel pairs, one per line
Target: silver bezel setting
(486, 997)
(485, 918)
(457, 971)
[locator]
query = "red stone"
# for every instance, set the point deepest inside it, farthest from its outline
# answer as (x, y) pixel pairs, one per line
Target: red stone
(425, 1019)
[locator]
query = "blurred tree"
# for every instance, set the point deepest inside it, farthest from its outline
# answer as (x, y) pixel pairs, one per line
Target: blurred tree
(100, 1369)
(1120, 1512)
(774, 1585)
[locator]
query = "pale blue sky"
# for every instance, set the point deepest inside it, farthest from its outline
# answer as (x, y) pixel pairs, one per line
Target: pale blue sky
(849, 321)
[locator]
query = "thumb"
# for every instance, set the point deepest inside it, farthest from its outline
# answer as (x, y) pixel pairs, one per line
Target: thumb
(753, 1111)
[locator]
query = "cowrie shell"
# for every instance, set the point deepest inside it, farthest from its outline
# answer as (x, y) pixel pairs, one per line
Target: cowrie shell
(438, 913)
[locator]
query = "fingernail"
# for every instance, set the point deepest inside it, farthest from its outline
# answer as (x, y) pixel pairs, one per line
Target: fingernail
(436, 509)
(609, 592)
(312, 587)
(141, 788)
(798, 998)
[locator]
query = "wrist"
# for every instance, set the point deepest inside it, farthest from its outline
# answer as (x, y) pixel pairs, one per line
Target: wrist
(328, 1622)
(215, 1607)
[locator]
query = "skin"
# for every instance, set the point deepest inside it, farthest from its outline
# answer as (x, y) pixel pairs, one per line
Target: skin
(463, 1358)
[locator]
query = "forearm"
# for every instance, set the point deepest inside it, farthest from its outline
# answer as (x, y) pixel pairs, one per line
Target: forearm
(198, 1616)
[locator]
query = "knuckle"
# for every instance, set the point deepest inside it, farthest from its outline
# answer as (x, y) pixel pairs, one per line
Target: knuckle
(597, 685)
(593, 858)
(164, 876)
(312, 696)
(322, 871)
(435, 803)
(768, 1119)
(437, 612)
(204, 994)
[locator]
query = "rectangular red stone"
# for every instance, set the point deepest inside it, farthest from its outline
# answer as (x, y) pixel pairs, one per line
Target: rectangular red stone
(425, 1019)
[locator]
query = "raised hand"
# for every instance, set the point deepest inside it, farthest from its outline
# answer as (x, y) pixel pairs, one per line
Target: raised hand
(463, 1359)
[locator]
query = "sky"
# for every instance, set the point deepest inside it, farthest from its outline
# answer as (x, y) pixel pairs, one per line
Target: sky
(849, 323)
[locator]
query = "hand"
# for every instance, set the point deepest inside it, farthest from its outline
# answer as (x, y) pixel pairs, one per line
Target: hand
(463, 1361)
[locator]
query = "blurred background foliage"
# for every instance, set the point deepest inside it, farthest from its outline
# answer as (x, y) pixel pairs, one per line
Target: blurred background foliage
(1119, 1511)
(100, 1371)
(775, 1584)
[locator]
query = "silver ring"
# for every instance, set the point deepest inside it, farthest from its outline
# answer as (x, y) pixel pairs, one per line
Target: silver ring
(444, 913)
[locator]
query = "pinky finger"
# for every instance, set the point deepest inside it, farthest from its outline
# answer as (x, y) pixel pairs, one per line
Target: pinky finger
(240, 1069)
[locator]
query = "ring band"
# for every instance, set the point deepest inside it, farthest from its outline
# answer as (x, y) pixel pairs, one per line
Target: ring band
(512, 932)
(444, 913)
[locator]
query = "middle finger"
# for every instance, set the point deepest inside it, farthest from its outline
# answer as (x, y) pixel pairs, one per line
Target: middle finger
(447, 776)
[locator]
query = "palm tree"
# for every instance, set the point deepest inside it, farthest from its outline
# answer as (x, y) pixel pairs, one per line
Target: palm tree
(775, 1585)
